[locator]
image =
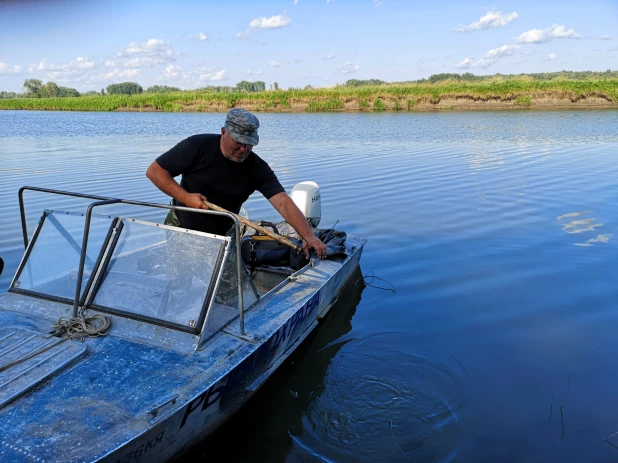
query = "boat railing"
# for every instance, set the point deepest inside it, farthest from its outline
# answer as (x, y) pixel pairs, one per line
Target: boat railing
(105, 201)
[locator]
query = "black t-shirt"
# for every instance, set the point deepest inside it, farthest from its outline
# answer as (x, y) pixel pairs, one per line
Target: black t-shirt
(225, 183)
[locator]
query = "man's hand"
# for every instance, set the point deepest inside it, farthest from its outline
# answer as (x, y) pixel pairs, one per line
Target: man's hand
(194, 200)
(164, 181)
(292, 214)
(320, 248)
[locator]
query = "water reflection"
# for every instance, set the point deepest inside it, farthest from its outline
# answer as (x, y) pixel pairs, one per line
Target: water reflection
(485, 159)
(583, 225)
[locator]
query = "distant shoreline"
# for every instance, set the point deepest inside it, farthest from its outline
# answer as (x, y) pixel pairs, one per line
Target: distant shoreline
(447, 105)
(496, 94)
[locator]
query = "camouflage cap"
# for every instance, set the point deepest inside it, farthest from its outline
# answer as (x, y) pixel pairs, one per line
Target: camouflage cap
(242, 126)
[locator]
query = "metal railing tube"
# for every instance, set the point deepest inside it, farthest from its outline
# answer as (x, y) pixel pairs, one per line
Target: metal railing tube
(22, 207)
(241, 303)
(22, 214)
(82, 256)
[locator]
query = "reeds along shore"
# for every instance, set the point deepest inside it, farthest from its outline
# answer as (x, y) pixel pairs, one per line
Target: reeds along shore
(444, 95)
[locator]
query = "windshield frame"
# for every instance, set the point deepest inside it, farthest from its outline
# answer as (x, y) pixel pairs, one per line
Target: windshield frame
(15, 282)
(102, 201)
(95, 282)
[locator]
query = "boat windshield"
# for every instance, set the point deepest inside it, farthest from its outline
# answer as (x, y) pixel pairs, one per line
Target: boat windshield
(51, 267)
(160, 274)
(149, 272)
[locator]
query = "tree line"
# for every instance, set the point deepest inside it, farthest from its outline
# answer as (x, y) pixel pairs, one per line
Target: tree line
(469, 77)
(35, 88)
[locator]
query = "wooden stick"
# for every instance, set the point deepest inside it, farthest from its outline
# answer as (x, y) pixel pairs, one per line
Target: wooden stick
(257, 227)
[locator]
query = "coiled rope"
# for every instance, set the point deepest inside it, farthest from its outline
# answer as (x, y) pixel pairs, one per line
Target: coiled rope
(82, 327)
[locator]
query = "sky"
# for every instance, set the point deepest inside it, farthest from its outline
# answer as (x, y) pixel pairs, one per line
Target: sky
(88, 45)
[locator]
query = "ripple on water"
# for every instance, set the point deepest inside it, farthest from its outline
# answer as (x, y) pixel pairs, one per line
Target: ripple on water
(387, 396)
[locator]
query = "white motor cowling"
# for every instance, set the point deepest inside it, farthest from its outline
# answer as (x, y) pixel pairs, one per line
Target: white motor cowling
(306, 195)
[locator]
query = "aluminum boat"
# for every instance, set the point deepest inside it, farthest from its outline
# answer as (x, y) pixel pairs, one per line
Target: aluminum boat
(193, 334)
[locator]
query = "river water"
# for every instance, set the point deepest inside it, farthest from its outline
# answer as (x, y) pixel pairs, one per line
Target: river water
(498, 231)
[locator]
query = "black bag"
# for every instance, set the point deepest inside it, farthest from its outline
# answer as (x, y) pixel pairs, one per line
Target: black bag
(262, 250)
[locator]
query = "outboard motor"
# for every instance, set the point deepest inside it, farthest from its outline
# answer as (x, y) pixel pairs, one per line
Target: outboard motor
(1, 265)
(306, 195)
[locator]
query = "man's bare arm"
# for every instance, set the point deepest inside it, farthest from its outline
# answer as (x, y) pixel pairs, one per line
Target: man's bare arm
(293, 215)
(164, 181)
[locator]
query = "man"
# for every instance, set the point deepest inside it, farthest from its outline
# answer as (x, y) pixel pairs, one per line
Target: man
(224, 170)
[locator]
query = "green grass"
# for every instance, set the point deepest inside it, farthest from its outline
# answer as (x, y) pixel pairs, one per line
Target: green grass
(517, 91)
(378, 105)
(523, 101)
(330, 104)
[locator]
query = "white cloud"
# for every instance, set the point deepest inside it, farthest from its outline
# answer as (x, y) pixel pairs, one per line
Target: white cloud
(177, 75)
(504, 50)
(253, 73)
(213, 76)
(465, 64)
(152, 47)
(126, 66)
(171, 72)
(6, 70)
(124, 74)
(348, 68)
(274, 22)
(330, 1)
(377, 3)
(490, 20)
(489, 58)
(273, 64)
(145, 62)
(199, 36)
(483, 63)
(74, 70)
(546, 35)
(551, 57)
(295, 2)
(330, 56)
(144, 55)
(115, 75)
(84, 63)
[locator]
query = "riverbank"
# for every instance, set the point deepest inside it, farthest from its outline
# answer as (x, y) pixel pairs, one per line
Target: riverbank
(499, 94)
